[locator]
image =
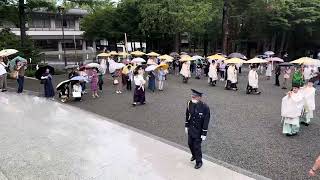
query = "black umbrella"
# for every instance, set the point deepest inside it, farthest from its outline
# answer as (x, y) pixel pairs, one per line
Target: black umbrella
(62, 84)
(42, 70)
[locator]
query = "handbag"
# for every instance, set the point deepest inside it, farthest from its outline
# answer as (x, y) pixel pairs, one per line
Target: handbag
(14, 74)
(115, 82)
(76, 94)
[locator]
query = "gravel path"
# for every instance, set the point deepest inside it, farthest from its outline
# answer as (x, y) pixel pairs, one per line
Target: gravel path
(245, 130)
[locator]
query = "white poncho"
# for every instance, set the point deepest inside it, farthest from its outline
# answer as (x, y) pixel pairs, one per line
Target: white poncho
(232, 74)
(253, 78)
(213, 72)
(185, 69)
(309, 94)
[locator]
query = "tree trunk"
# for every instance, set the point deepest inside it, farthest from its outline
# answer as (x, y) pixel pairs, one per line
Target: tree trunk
(141, 47)
(177, 43)
(205, 45)
(283, 41)
(22, 22)
(273, 42)
(225, 26)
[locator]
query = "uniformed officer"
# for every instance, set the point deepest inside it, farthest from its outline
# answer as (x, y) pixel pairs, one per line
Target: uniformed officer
(196, 125)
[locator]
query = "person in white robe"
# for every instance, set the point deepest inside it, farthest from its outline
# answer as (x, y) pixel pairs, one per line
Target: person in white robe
(307, 73)
(269, 70)
(103, 64)
(112, 65)
(253, 80)
(185, 71)
(309, 93)
(291, 109)
(213, 73)
(232, 78)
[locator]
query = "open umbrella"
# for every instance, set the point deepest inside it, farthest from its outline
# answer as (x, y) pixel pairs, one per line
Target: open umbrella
(196, 57)
(103, 55)
(255, 61)
(137, 53)
(113, 53)
(151, 68)
(163, 66)
(217, 57)
(306, 61)
(174, 54)
(61, 84)
(94, 65)
(119, 65)
(138, 60)
(42, 70)
(234, 61)
(8, 52)
(124, 54)
(275, 59)
(237, 55)
(184, 58)
(14, 61)
(166, 57)
(286, 64)
(79, 78)
(262, 56)
(269, 53)
(73, 66)
(153, 54)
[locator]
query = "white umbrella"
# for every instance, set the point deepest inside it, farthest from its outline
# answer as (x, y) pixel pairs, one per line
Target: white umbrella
(119, 65)
(255, 61)
(8, 52)
(269, 53)
(151, 68)
(94, 65)
(197, 57)
(275, 59)
(138, 60)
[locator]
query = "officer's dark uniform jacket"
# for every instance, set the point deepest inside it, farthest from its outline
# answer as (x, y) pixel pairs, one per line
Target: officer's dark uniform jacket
(197, 119)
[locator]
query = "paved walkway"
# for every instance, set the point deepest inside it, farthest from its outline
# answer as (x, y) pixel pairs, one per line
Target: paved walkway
(49, 140)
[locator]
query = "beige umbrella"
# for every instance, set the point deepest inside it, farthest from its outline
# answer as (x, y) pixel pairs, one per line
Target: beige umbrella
(184, 58)
(123, 54)
(8, 52)
(305, 60)
(137, 53)
(217, 57)
(113, 53)
(153, 54)
(166, 57)
(103, 55)
(234, 61)
(255, 61)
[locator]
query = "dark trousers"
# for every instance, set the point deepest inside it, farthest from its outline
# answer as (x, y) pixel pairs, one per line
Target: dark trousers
(195, 148)
(277, 80)
(20, 81)
(129, 85)
(239, 70)
(222, 74)
(100, 83)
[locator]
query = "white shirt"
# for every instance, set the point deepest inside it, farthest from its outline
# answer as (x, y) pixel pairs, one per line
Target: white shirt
(138, 80)
(3, 68)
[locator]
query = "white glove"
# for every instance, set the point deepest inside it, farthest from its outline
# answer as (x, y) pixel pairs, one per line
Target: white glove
(186, 130)
(203, 137)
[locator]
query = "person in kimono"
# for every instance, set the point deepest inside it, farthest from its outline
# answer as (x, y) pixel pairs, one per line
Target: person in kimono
(213, 73)
(139, 91)
(48, 87)
(94, 83)
(185, 71)
(269, 70)
(309, 93)
(161, 78)
(297, 77)
(152, 81)
(286, 77)
(232, 78)
(253, 80)
(291, 109)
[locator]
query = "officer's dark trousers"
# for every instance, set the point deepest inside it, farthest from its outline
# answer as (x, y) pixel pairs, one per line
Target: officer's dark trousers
(195, 148)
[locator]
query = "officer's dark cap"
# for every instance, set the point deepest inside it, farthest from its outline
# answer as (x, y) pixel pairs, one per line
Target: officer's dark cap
(196, 93)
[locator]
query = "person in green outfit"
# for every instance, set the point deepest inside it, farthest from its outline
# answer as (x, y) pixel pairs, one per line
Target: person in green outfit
(297, 78)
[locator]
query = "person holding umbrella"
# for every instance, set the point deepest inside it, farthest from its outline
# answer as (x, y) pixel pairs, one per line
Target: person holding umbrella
(3, 75)
(46, 79)
(94, 83)
(64, 90)
(139, 92)
(20, 67)
(213, 73)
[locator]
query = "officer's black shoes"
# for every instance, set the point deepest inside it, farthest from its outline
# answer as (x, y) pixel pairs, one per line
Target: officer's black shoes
(198, 165)
(192, 158)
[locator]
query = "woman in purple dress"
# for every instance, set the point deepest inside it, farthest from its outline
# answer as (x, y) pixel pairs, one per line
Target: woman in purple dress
(94, 83)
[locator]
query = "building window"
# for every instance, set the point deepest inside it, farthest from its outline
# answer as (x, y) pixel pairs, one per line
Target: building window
(73, 44)
(67, 23)
(47, 45)
(40, 23)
